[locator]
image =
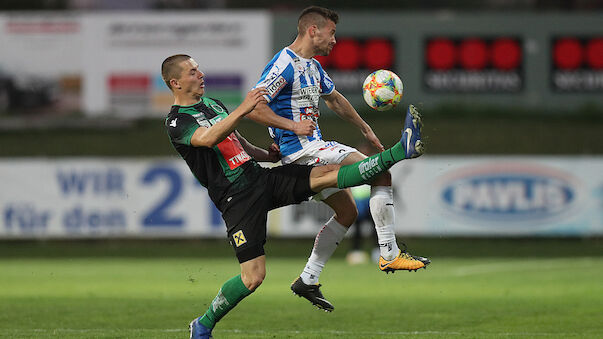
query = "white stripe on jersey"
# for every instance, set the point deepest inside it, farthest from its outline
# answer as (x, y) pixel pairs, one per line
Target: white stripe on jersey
(294, 86)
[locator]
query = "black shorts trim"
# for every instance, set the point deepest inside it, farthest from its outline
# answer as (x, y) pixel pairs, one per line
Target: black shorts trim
(250, 252)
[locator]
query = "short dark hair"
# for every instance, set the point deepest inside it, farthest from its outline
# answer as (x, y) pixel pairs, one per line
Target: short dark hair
(315, 15)
(170, 68)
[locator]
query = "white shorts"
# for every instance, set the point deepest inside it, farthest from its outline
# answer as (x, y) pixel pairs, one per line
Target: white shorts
(321, 153)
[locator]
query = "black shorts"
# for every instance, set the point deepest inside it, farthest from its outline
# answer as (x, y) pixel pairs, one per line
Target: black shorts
(246, 212)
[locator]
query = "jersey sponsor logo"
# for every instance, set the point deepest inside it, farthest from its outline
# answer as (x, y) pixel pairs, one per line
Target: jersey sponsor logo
(173, 123)
(309, 113)
(369, 167)
(219, 302)
(309, 91)
(276, 86)
(309, 97)
(238, 159)
(233, 152)
(202, 120)
(239, 238)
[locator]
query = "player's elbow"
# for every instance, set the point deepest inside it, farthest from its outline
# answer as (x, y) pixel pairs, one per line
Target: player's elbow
(204, 140)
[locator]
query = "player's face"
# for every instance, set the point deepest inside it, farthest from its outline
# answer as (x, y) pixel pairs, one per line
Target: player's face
(324, 39)
(191, 79)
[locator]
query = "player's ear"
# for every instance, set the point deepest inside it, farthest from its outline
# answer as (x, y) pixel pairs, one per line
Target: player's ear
(175, 83)
(312, 30)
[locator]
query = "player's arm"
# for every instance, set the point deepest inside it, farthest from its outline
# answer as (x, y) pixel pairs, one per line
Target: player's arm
(271, 154)
(264, 115)
(209, 137)
(342, 107)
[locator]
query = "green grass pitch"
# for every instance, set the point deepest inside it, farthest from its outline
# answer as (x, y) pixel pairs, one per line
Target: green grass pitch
(154, 297)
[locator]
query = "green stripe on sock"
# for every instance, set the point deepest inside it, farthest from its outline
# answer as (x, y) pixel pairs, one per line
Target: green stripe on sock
(231, 293)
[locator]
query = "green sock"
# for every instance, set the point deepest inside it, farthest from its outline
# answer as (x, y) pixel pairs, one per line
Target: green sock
(364, 171)
(228, 297)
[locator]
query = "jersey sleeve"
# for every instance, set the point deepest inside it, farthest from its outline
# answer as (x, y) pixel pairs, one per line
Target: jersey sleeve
(181, 127)
(326, 84)
(274, 78)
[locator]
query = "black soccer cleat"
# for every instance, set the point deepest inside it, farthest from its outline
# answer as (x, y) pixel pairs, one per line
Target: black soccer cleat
(312, 294)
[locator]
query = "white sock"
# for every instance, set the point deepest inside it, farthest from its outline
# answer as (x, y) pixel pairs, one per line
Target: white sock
(382, 210)
(325, 244)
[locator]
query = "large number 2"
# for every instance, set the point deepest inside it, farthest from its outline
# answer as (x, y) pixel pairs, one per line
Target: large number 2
(158, 215)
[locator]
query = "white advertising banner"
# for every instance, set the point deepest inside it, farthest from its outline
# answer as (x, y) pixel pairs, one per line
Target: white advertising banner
(41, 62)
(506, 196)
(434, 196)
(124, 52)
(103, 198)
(110, 63)
(42, 44)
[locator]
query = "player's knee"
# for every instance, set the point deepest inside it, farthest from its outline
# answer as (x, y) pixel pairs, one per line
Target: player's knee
(327, 170)
(322, 177)
(253, 280)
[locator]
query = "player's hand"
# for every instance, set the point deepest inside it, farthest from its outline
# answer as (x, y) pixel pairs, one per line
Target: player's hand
(372, 138)
(253, 97)
(274, 153)
(304, 127)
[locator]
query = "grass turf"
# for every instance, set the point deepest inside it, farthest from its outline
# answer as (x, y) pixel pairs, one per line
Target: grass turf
(137, 297)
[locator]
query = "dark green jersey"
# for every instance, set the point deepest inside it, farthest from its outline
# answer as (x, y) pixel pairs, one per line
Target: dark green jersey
(222, 169)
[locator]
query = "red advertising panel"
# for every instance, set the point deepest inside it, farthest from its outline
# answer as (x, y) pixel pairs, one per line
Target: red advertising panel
(577, 64)
(353, 59)
(473, 64)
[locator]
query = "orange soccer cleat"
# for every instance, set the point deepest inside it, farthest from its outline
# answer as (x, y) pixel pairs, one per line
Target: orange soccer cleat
(404, 261)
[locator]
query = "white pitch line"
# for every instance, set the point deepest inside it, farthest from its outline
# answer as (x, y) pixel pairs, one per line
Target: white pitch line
(297, 332)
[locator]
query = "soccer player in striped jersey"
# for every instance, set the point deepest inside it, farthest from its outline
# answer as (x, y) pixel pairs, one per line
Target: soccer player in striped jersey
(295, 82)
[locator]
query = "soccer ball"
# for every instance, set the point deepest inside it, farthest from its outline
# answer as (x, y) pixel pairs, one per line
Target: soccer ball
(382, 90)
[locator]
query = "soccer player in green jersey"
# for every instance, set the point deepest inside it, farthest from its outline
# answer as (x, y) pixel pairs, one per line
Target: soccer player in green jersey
(203, 133)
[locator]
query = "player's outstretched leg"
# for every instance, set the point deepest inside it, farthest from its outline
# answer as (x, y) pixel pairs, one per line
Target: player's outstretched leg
(312, 294)
(410, 146)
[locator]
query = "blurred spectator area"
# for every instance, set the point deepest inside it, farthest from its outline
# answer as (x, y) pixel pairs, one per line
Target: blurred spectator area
(529, 5)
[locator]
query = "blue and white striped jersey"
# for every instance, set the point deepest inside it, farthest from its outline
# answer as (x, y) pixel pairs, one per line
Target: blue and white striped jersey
(294, 86)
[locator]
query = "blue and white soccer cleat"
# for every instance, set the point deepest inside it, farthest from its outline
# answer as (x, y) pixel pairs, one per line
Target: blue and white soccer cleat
(198, 331)
(411, 134)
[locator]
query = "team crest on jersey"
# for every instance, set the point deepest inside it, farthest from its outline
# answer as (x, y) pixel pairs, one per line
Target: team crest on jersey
(299, 65)
(217, 108)
(239, 238)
